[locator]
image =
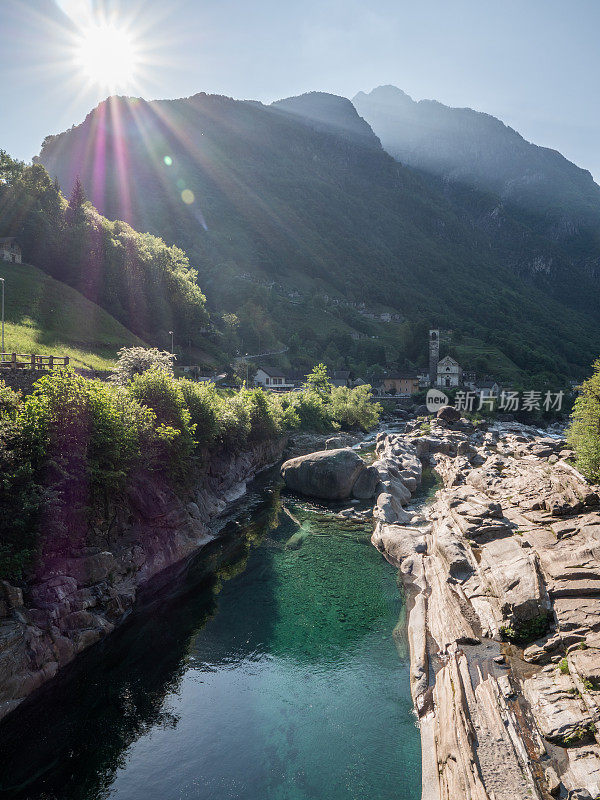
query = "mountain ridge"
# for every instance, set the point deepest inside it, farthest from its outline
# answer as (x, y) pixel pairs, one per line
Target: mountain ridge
(429, 135)
(277, 201)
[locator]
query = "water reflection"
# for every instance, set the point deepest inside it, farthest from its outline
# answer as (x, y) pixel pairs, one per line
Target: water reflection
(270, 673)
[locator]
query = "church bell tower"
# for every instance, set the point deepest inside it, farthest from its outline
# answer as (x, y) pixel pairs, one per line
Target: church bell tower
(434, 355)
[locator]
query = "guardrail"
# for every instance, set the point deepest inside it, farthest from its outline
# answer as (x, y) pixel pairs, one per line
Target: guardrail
(32, 361)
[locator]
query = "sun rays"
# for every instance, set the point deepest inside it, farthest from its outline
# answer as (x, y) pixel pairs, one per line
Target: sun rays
(108, 55)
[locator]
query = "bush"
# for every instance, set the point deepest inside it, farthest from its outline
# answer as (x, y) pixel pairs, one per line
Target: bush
(311, 411)
(87, 433)
(234, 422)
(135, 360)
(21, 498)
(203, 403)
(526, 631)
(354, 409)
(584, 431)
(70, 448)
(160, 392)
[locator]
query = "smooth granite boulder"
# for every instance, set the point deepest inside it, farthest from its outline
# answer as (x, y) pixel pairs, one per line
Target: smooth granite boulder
(327, 474)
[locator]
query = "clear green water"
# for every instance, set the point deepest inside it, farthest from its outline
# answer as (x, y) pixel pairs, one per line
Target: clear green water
(277, 671)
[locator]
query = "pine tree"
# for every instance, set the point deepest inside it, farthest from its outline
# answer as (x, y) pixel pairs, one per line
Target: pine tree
(75, 213)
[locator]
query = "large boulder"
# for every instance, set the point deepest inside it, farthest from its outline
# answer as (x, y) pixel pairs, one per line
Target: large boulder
(366, 484)
(328, 474)
(448, 414)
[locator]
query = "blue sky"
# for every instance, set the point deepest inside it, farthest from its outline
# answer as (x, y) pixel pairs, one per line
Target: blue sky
(533, 63)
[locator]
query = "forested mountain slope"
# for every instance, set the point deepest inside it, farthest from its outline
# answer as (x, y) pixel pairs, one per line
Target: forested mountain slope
(292, 226)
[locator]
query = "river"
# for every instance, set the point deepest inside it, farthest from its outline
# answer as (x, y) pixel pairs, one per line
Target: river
(277, 669)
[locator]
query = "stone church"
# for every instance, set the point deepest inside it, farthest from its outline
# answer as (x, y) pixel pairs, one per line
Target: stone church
(449, 373)
(445, 373)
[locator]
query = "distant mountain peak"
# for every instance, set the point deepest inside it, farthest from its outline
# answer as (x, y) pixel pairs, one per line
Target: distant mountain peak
(387, 91)
(479, 150)
(330, 112)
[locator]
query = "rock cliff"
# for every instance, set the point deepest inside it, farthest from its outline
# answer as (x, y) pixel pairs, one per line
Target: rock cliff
(81, 593)
(502, 572)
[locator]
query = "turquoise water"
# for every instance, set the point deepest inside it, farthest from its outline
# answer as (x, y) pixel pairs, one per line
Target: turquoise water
(277, 671)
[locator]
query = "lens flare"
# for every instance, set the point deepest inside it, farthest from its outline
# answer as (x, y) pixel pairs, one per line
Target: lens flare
(187, 196)
(108, 55)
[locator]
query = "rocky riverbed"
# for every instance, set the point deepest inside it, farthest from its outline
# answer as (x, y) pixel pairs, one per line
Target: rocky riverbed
(502, 572)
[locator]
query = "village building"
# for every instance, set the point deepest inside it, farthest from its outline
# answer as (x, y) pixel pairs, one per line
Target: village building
(401, 384)
(10, 250)
(341, 378)
(488, 388)
(273, 378)
(449, 373)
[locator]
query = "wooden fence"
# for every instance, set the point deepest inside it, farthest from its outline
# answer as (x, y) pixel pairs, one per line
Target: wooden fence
(32, 361)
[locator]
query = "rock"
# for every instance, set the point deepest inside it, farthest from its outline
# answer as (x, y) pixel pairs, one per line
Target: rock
(421, 411)
(334, 443)
(534, 654)
(514, 576)
(552, 780)
(327, 474)
(389, 510)
(560, 714)
(13, 596)
(586, 663)
(448, 414)
(365, 485)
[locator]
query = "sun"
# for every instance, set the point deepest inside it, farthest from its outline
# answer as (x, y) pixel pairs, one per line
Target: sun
(108, 56)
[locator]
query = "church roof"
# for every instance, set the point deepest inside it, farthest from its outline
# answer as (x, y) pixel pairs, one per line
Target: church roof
(447, 361)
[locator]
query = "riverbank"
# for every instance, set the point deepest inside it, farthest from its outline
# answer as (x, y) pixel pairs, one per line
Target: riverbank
(504, 622)
(76, 599)
(274, 666)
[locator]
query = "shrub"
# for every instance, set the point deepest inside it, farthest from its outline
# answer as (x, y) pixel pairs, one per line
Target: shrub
(584, 431)
(234, 422)
(204, 404)
(88, 433)
(21, 499)
(135, 360)
(312, 411)
(160, 392)
(264, 414)
(354, 409)
(526, 631)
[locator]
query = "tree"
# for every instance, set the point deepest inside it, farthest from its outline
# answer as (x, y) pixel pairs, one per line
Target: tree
(318, 381)
(75, 214)
(136, 360)
(584, 431)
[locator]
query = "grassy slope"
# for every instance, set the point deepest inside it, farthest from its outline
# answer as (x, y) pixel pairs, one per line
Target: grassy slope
(50, 318)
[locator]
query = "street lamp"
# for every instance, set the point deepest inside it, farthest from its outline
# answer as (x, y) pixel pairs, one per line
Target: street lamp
(171, 332)
(2, 279)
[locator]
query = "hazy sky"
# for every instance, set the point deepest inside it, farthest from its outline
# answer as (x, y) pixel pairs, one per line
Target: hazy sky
(533, 63)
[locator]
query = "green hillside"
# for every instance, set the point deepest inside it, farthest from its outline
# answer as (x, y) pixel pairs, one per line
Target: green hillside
(47, 317)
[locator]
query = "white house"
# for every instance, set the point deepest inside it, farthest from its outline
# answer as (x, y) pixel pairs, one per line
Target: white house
(9, 249)
(272, 378)
(488, 388)
(449, 373)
